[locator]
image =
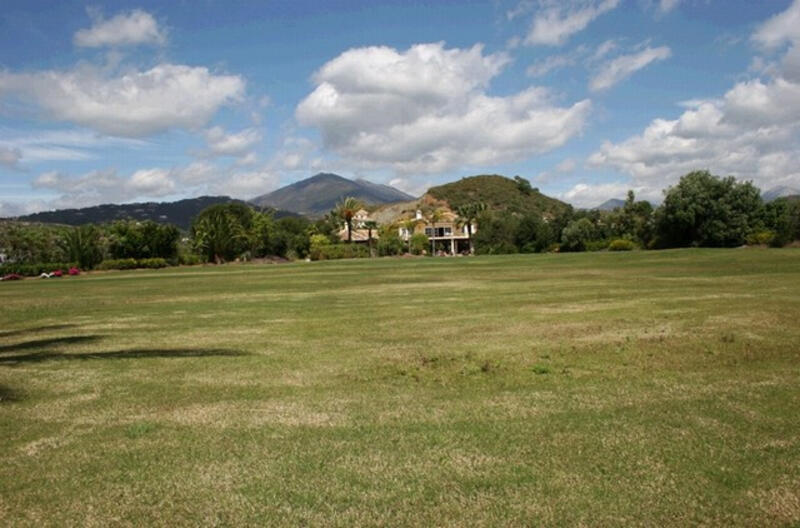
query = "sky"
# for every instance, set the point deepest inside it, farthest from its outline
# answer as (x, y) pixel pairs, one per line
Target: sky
(150, 100)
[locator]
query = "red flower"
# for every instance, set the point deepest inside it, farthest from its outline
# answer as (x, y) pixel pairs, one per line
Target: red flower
(74, 271)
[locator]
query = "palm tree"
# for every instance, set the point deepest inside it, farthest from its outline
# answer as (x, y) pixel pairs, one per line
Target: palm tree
(220, 232)
(346, 210)
(435, 216)
(467, 214)
(82, 245)
(370, 225)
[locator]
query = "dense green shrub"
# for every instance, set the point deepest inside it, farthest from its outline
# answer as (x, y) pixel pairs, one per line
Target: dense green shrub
(142, 239)
(34, 269)
(597, 245)
(761, 238)
(419, 243)
(577, 235)
(338, 251)
(390, 244)
(118, 264)
(189, 259)
(129, 263)
(31, 243)
(496, 234)
(621, 244)
(153, 263)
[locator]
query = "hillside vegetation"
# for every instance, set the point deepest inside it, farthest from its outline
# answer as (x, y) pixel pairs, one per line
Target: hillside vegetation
(499, 194)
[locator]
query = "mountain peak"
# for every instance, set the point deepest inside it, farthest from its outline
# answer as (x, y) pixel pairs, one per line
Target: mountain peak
(610, 204)
(320, 193)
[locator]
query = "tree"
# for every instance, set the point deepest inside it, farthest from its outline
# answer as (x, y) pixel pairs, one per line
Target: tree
(497, 233)
(524, 185)
(223, 232)
(371, 225)
(82, 245)
(389, 243)
(346, 210)
(262, 233)
(142, 239)
(467, 214)
(434, 217)
(782, 216)
(633, 221)
(533, 234)
(417, 243)
(410, 226)
(705, 210)
(577, 234)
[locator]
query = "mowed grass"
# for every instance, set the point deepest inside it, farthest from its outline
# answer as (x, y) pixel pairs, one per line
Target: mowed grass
(651, 388)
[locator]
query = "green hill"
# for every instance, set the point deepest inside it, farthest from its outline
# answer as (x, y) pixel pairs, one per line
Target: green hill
(499, 194)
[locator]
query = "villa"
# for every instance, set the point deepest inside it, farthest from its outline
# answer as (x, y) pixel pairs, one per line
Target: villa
(449, 236)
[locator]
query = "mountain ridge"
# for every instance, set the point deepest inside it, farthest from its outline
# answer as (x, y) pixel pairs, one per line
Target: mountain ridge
(318, 194)
(179, 212)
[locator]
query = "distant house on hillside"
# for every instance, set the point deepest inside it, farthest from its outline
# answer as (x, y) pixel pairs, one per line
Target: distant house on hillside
(360, 231)
(450, 237)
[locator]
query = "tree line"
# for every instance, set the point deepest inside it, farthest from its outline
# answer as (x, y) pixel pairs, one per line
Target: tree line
(701, 210)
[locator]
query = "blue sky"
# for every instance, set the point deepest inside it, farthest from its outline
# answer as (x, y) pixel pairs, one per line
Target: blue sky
(132, 101)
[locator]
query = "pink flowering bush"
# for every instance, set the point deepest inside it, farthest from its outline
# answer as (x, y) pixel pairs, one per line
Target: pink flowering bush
(58, 273)
(74, 271)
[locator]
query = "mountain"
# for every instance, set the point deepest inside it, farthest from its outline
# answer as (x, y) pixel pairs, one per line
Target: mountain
(610, 204)
(781, 191)
(179, 213)
(499, 194)
(319, 194)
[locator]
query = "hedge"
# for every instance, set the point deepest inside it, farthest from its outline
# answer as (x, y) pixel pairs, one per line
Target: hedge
(35, 269)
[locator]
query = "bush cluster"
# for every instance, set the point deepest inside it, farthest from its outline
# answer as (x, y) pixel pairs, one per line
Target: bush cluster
(35, 269)
(621, 244)
(338, 251)
(129, 263)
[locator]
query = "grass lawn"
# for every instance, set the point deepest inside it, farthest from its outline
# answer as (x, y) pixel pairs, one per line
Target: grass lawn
(650, 388)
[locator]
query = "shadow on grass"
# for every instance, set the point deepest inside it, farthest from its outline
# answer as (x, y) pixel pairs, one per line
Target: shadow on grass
(121, 354)
(23, 331)
(50, 342)
(8, 395)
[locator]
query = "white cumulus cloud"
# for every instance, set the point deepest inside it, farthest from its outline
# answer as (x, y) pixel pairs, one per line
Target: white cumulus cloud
(426, 110)
(134, 104)
(125, 29)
